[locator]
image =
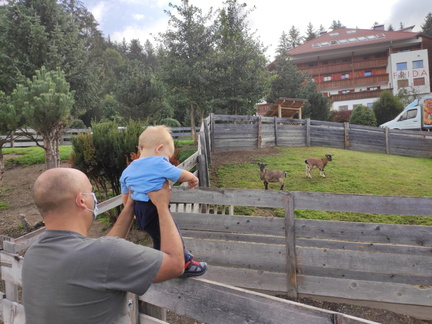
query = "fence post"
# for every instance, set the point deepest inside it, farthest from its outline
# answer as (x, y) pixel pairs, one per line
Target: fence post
(212, 131)
(259, 141)
(387, 143)
(291, 263)
(308, 137)
(275, 131)
(346, 138)
(8, 245)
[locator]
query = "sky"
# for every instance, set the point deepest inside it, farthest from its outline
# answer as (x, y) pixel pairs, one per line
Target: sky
(142, 19)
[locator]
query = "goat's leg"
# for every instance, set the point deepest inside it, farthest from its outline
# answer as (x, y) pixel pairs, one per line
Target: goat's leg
(265, 185)
(308, 171)
(322, 174)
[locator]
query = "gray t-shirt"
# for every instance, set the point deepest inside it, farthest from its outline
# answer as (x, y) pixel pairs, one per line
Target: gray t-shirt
(69, 278)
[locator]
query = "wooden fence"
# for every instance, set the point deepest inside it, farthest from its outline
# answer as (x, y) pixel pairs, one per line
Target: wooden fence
(252, 132)
(377, 265)
(20, 140)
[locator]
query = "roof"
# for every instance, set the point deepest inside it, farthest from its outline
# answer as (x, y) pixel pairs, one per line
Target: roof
(286, 108)
(350, 37)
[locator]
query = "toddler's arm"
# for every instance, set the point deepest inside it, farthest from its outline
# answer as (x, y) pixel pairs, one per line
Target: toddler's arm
(188, 177)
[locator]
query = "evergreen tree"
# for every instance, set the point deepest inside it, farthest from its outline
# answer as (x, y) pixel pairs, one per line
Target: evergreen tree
(46, 102)
(239, 67)
(187, 44)
(427, 26)
(310, 32)
(386, 107)
(336, 24)
(294, 37)
(284, 44)
(363, 115)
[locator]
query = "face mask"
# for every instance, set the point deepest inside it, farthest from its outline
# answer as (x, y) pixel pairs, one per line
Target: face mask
(95, 210)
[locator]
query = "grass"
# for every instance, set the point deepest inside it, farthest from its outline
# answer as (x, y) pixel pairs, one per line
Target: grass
(33, 155)
(350, 172)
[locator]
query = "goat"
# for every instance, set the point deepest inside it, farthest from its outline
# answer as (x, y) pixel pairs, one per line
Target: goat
(271, 176)
(317, 163)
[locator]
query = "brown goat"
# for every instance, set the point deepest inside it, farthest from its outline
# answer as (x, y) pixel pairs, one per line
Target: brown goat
(271, 176)
(317, 163)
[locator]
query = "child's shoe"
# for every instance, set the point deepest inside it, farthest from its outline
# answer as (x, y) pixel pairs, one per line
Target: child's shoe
(194, 269)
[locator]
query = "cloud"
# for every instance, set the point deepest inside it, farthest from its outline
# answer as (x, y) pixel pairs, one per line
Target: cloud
(99, 11)
(138, 17)
(409, 13)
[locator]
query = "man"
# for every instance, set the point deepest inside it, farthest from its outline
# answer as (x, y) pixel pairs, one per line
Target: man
(71, 278)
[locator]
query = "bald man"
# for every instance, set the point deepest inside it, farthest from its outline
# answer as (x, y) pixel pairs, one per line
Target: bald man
(71, 278)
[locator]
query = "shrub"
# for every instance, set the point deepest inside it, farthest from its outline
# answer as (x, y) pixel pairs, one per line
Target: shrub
(341, 116)
(363, 115)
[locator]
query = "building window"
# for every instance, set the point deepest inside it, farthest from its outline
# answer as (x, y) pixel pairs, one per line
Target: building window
(401, 66)
(327, 78)
(417, 64)
(345, 76)
(341, 108)
(373, 88)
(367, 73)
(419, 81)
(370, 104)
(402, 83)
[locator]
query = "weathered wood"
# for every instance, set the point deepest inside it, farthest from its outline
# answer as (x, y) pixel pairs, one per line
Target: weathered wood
(291, 259)
(12, 312)
(225, 304)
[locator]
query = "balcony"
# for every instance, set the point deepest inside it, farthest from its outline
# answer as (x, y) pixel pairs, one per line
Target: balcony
(345, 67)
(356, 95)
(354, 82)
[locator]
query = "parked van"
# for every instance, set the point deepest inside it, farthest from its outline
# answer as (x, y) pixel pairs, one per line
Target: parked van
(416, 116)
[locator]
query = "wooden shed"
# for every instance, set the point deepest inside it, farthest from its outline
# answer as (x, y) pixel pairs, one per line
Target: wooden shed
(286, 108)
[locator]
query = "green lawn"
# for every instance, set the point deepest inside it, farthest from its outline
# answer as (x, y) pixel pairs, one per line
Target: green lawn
(349, 172)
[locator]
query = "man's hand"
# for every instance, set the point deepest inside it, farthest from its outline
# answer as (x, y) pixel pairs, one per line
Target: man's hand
(162, 196)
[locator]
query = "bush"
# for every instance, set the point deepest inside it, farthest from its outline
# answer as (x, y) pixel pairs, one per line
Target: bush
(105, 153)
(170, 122)
(363, 115)
(341, 116)
(387, 107)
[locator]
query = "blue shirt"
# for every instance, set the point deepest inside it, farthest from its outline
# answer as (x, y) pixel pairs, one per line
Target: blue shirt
(147, 174)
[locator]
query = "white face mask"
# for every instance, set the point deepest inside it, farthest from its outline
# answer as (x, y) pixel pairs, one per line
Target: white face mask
(95, 210)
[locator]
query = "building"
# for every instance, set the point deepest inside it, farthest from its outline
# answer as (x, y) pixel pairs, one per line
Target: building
(353, 66)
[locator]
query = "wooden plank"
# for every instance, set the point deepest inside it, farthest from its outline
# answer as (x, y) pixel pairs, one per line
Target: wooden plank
(365, 232)
(12, 312)
(365, 290)
(225, 304)
(264, 257)
(291, 259)
(363, 261)
(11, 267)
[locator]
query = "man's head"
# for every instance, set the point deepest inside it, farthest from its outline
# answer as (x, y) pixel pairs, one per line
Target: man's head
(158, 138)
(59, 192)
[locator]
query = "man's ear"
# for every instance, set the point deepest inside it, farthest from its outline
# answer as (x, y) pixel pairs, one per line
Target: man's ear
(80, 201)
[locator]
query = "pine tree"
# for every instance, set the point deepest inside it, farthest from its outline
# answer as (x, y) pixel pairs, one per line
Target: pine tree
(427, 26)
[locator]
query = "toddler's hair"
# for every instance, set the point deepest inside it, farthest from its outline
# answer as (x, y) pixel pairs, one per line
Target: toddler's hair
(155, 135)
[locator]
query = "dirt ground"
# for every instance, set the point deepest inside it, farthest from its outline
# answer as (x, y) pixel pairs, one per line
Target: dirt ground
(16, 191)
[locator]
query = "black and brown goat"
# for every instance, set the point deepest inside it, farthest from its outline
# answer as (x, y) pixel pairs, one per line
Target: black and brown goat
(271, 176)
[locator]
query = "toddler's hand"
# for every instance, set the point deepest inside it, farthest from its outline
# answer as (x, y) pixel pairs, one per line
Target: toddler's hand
(193, 183)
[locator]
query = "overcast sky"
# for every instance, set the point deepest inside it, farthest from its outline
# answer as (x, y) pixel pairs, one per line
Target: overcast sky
(139, 19)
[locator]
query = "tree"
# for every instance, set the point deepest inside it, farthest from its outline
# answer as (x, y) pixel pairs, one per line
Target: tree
(290, 83)
(386, 107)
(187, 44)
(310, 32)
(238, 74)
(10, 120)
(46, 102)
(139, 92)
(427, 26)
(294, 37)
(336, 24)
(284, 44)
(363, 115)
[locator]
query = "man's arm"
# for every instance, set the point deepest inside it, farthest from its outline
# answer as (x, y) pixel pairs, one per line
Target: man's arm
(171, 243)
(124, 222)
